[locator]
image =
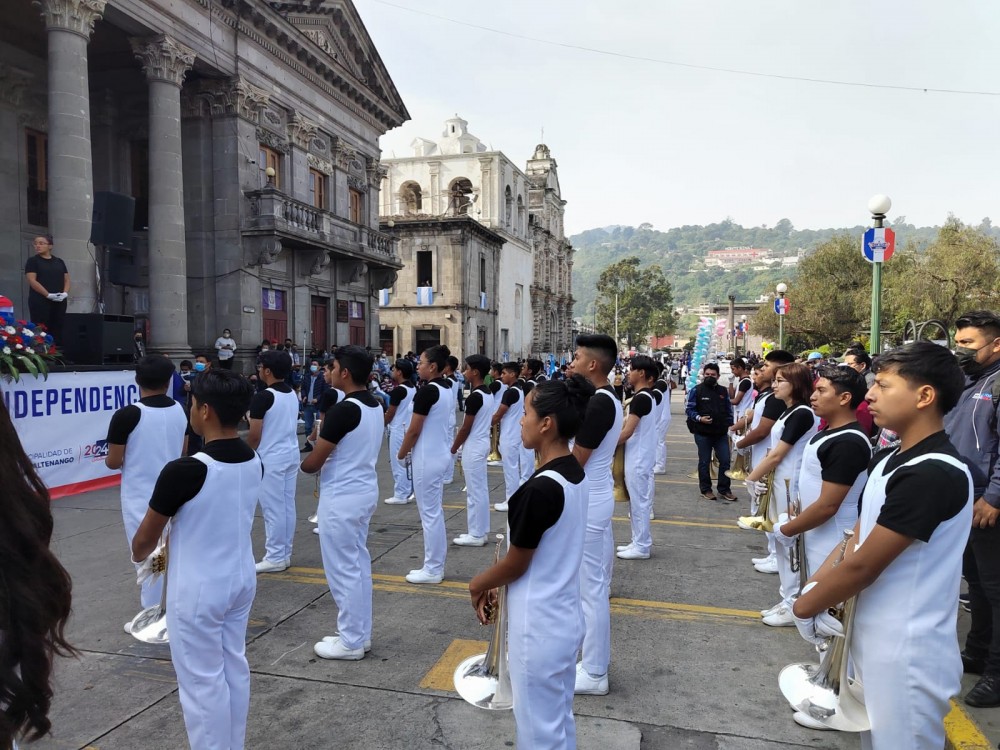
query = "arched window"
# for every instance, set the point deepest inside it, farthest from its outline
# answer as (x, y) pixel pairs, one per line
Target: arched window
(459, 196)
(410, 198)
(520, 214)
(509, 198)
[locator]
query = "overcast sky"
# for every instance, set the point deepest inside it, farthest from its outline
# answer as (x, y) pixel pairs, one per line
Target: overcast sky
(640, 141)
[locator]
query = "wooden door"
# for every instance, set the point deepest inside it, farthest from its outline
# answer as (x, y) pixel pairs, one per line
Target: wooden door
(356, 323)
(274, 315)
(319, 316)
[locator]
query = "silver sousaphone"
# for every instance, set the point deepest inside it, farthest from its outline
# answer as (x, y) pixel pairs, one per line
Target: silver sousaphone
(150, 625)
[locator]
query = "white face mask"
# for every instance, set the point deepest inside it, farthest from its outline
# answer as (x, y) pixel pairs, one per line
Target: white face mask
(314, 368)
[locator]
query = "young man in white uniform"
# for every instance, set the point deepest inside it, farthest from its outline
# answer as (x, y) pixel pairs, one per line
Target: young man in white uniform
(397, 420)
(594, 448)
(210, 499)
(662, 386)
(906, 564)
(143, 438)
(529, 375)
(473, 439)
(497, 388)
(639, 436)
(345, 455)
(508, 416)
(453, 386)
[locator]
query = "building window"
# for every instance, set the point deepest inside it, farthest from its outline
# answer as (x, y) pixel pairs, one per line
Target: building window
(509, 202)
(425, 268)
(520, 215)
(410, 198)
(139, 167)
(268, 157)
(460, 196)
(482, 273)
(317, 188)
(38, 177)
(356, 203)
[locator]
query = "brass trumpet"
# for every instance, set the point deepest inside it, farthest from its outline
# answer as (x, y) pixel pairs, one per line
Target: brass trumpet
(620, 490)
(150, 625)
(761, 520)
(494, 456)
(741, 464)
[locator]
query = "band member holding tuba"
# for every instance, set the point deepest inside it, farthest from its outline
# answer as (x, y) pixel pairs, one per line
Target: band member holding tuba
(474, 435)
(397, 419)
(508, 418)
(209, 499)
(594, 448)
(916, 511)
(639, 437)
(547, 519)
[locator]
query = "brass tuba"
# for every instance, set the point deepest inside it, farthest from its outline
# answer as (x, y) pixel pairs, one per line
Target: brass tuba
(150, 625)
(483, 680)
(825, 692)
(760, 505)
(620, 490)
(494, 456)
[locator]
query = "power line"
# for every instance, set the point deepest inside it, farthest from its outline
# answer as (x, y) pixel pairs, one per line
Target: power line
(692, 66)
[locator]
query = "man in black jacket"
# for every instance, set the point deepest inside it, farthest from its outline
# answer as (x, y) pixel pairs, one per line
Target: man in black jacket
(710, 413)
(310, 392)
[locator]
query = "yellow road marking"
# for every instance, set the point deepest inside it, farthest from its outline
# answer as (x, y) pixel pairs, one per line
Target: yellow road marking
(669, 522)
(442, 675)
(961, 732)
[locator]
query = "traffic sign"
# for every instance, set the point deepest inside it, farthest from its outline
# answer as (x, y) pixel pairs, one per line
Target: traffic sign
(782, 305)
(879, 244)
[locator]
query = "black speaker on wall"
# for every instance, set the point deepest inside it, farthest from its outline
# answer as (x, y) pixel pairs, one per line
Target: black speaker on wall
(112, 220)
(95, 339)
(123, 266)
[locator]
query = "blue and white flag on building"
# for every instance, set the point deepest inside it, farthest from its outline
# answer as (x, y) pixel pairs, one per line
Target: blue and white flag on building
(482, 300)
(425, 295)
(383, 297)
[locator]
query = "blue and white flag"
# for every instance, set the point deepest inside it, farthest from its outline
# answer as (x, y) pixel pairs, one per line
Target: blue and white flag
(482, 300)
(425, 295)
(383, 297)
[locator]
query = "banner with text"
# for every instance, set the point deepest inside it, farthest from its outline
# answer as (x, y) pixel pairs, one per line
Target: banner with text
(63, 425)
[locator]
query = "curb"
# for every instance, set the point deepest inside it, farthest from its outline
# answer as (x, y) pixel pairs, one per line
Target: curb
(962, 733)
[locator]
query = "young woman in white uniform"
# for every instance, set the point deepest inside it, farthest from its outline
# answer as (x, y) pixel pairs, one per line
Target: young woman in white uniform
(497, 388)
(211, 498)
(143, 438)
(397, 419)
(639, 436)
(454, 386)
(529, 379)
(473, 439)
(345, 455)
(662, 386)
(789, 437)
(594, 447)
(916, 513)
(426, 437)
(274, 415)
(547, 521)
(508, 416)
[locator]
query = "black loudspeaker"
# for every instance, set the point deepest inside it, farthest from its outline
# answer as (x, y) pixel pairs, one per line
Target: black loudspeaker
(123, 267)
(112, 221)
(95, 339)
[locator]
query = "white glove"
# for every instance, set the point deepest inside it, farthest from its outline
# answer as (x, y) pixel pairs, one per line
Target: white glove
(817, 630)
(61, 296)
(152, 566)
(756, 488)
(54, 297)
(779, 536)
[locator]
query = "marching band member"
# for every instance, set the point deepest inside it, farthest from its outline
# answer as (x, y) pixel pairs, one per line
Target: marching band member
(662, 386)
(397, 419)
(209, 499)
(594, 448)
(274, 416)
(475, 436)
(427, 434)
(508, 416)
(143, 438)
(547, 520)
(639, 436)
(789, 437)
(529, 379)
(906, 563)
(497, 388)
(741, 388)
(345, 455)
(330, 398)
(453, 386)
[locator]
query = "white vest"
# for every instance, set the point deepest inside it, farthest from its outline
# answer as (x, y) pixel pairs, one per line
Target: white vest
(404, 409)
(744, 405)
(759, 449)
(640, 449)
(279, 438)
(434, 442)
(510, 423)
(792, 462)
(479, 437)
(350, 469)
(157, 440)
(598, 466)
(498, 396)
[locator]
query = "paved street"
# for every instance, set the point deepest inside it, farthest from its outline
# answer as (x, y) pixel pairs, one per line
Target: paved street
(692, 666)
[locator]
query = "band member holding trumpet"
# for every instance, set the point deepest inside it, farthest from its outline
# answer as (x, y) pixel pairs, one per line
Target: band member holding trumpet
(508, 417)
(209, 499)
(547, 520)
(916, 511)
(397, 420)
(594, 448)
(789, 436)
(639, 437)
(474, 435)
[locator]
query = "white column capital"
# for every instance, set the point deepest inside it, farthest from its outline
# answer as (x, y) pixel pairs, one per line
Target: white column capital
(163, 58)
(77, 16)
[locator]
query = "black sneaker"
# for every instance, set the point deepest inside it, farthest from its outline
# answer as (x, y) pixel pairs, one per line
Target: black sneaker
(972, 665)
(986, 693)
(306, 448)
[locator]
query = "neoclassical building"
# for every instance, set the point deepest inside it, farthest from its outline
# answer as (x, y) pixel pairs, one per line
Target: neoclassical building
(247, 134)
(457, 176)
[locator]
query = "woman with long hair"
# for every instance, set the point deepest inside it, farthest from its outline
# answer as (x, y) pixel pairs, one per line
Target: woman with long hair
(35, 595)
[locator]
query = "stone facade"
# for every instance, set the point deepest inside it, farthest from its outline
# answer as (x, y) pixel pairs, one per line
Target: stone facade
(184, 105)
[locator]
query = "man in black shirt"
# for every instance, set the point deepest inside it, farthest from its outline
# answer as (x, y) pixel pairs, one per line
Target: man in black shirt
(48, 281)
(710, 413)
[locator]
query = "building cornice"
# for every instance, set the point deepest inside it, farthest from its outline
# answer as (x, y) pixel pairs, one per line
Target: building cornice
(439, 224)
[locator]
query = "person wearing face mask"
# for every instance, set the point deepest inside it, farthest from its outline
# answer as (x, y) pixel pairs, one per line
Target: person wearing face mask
(709, 416)
(225, 345)
(972, 427)
(311, 391)
(202, 363)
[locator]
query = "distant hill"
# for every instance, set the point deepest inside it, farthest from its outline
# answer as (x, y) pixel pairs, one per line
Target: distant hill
(681, 252)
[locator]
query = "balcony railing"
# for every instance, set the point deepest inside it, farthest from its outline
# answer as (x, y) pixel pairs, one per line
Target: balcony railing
(270, 209)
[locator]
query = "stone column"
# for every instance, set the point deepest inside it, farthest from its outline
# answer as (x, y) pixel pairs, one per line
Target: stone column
(71, 176)
(165, 63)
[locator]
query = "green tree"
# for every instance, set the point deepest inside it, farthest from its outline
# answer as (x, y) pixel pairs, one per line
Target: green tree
(645, 301)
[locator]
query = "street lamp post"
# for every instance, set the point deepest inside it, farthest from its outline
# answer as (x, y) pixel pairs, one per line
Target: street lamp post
(879, 206)
(743, 325)
(781, 289)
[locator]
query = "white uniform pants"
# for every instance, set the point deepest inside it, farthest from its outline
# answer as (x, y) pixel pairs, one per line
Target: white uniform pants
(527, 463)
(511, 453)
(660, 466)
(639, 482)
(542, 678)
(789, 581)
(595, 584)
(402, 487)
(428, 485)
(277, 503)
(133, 512)
(208, 630)
(477, 489)
(343, 540)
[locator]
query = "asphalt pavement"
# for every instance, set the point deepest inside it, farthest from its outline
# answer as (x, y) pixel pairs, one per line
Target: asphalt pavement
(692, 665)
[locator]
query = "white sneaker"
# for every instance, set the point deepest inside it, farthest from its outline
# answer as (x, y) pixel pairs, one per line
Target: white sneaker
(422, 576)
(334, 649)
(411, 498)
(623, 547)
(268, 566)
(771, 566)
(761, 560)
(396, 501)
(315, 529)
(652, 514)
(314, 518)
(502, 507)
(805, 720)
(467, 540)
(494, 463)
(336, 637)
(587, 684)
(632, 553)
(771, 610)
(782, 617)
